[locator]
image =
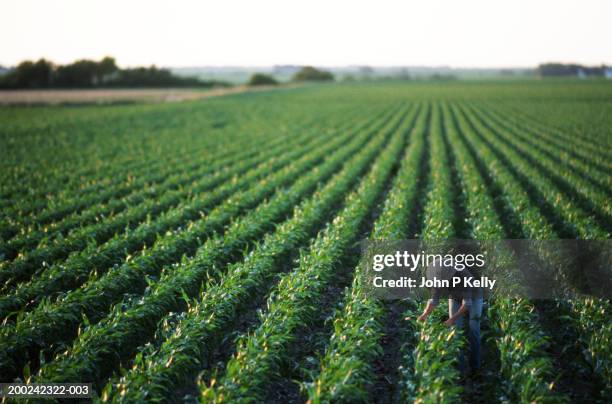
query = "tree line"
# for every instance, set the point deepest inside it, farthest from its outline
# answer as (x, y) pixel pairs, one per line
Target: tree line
(560, 70)
(306, 73)
(91, 74)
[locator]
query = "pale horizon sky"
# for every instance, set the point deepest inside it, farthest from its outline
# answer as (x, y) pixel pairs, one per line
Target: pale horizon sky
(182, 33)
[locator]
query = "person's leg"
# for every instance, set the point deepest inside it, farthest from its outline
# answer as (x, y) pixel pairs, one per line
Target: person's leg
(453, 307)
(474, 331)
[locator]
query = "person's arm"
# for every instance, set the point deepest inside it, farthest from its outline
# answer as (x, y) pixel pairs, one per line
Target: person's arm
(431, 304)
(428, 309)
(462, 310)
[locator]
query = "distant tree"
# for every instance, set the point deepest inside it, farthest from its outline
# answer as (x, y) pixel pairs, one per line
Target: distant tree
(156, 77)
(507, 72)
(144, 77)
(107, 69)
(404, 74)
(259, 79)
(309, 73)
(29, 75)
(366, 71)
(442, 77)
(89, 74)
(82, 73)
(560, 70)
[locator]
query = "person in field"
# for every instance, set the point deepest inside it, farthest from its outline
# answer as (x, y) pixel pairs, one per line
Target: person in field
(462, 302)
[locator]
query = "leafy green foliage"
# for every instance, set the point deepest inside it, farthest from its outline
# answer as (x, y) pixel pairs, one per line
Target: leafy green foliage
(309, 73)
(195, 247)
(86, 73)
(260, 79)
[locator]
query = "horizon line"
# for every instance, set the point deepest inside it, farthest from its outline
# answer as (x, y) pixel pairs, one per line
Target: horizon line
(329, 66)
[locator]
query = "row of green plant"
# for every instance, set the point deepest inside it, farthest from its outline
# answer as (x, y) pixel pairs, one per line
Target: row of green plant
(112, 177)
(436, 375)
(92, 299)
(100, 348)
(588, 315)
(78, 267)
(51, 207)
(72, 144)
(42, 211)
(559, 151)
(40, 258)
(594, 333)
(582, 143)
(574, 143)
(104, 229)
(295, 302)
(571, 217)
(144, 190)
(149, 175)
(525, 365)
(592, 200)
(69, 129)
(51, 324)
(592, 317)
(345, 371)
(110, 172)
(151, 309)
(210, 320)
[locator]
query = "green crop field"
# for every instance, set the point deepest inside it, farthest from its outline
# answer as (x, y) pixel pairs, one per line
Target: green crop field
(206, 250)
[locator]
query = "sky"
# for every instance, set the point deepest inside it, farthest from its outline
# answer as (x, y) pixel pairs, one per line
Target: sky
(456, 33)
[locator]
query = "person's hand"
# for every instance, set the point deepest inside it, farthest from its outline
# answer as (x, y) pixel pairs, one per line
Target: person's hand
(449, 322)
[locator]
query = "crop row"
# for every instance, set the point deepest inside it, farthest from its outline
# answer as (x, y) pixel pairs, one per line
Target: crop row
(345, 369)
(55, 323)
(213, 264)
(535, 225)
(581, 143)
(133, 187)
(84, 199)
(76, 176)
(554, 149)
(570, 218)
(346, 372)
(107, 228)
(216, 172)
(436, 376)
(294, 304)
(520, 342)
(25, 266)
(74, 271)
(595, 332)
(43, 210)
(593, 201)
(98, 348)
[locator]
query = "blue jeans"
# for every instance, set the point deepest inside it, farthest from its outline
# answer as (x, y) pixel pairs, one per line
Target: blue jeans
(474, 329)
